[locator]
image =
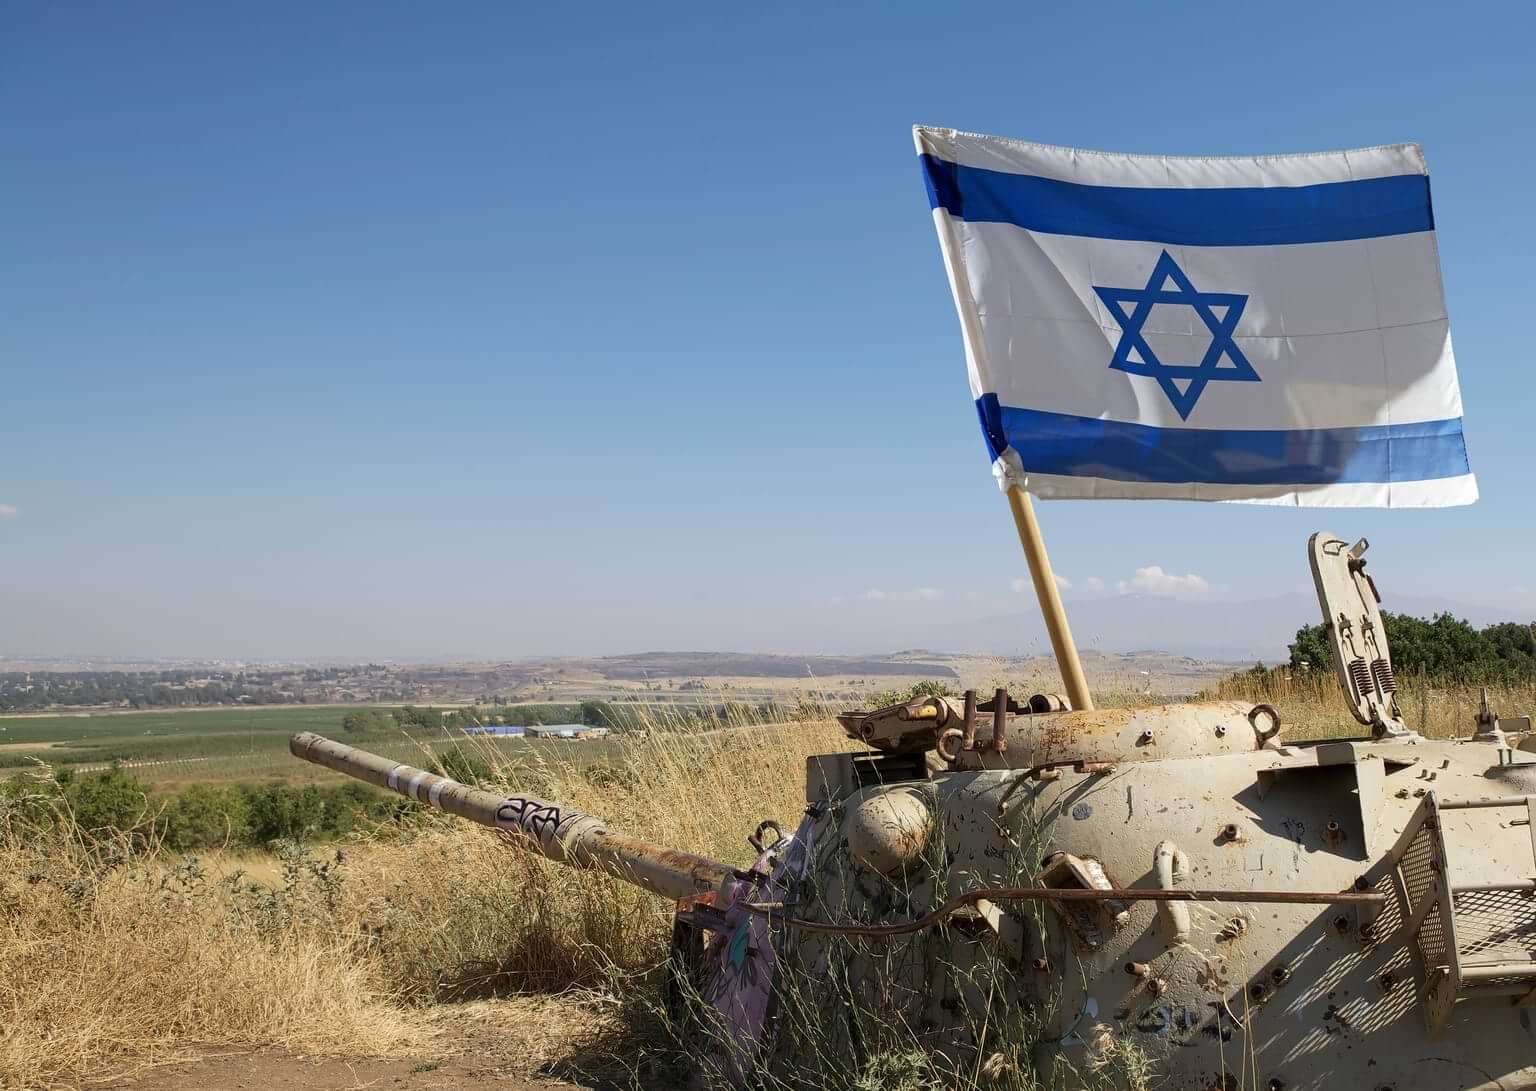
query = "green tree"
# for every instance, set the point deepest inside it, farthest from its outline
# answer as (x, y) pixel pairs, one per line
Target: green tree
(463, 766)
(109, 800)
(1515, 645)
(410, 717)
(598, 714)
(1444, 647)
(368, 721)
(464, 717)
(205, 817)
(278, 811)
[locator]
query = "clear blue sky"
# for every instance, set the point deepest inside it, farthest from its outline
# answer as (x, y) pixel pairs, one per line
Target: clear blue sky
(395, 329)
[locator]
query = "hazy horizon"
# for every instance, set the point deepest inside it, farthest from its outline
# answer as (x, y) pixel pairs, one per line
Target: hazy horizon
(1185, 625)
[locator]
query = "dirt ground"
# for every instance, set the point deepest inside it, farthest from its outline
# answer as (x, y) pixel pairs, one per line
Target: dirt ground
(517, 1044)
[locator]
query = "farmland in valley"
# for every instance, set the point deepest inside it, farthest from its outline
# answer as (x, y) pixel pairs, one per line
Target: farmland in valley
(168, 749)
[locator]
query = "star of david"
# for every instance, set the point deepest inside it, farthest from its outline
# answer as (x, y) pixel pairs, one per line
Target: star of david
(1182, 382)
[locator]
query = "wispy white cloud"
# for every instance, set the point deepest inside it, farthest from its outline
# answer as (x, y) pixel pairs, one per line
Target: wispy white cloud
(916, 594)
(1153, 580)
(1063, 583)
(1093, 583)
(8, 510)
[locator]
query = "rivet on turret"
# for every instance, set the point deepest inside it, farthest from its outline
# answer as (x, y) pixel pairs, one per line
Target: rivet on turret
(1280, 975)
(1147, 738)
(1042, 965)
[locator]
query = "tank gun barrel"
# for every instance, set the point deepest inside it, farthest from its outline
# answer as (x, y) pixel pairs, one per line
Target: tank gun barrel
(561, 833)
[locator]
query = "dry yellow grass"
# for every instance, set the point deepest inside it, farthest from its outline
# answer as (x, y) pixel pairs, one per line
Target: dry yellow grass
(113, 961)
(116, 960)
(1312, 706)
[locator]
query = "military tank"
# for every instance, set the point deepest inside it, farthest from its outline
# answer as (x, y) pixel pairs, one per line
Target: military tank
(1026, 895)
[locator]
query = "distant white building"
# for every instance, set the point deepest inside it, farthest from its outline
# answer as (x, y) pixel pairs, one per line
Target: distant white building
(565, 731)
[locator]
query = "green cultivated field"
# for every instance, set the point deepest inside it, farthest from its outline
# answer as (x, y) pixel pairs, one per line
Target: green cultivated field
(170, 749)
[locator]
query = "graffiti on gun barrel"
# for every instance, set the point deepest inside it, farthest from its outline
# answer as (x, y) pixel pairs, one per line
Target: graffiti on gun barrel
(531, 816)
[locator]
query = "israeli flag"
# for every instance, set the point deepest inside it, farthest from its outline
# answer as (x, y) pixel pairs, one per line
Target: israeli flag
(1266, 329)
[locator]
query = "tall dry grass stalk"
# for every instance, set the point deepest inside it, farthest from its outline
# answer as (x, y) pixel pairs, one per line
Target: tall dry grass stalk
(1312, 705)
(117, 956)
(456, 912)
(114, 960)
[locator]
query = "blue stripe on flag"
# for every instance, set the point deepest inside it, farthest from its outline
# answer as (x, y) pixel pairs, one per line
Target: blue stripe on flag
(1235, 216)
(1058, 443)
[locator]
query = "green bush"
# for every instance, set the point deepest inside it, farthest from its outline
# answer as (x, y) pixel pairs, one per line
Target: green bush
(204, 817)
(925, 688)
(200, 817)
(461, 765)
(280, 812)
(109, 800)
(1446, 648)
(410, 717)
(369, 721)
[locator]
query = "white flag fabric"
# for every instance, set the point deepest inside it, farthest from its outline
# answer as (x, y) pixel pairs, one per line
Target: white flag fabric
(1267, 329)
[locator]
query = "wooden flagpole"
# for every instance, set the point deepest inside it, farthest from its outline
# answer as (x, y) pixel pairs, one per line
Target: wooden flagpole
(1050, 599)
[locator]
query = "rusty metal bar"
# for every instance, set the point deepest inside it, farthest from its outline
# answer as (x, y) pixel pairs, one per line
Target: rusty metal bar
(1074, 894)
(1470, 804)
(558, 832)
(1476, 975)
(1523, 886)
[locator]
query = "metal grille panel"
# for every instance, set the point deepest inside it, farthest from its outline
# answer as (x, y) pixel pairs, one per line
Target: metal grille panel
(1496, 926)
(1419, 882)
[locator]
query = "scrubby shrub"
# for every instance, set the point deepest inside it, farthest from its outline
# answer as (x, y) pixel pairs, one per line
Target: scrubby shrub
(205, 817)
(1444, 647)
(278, 812)
(110, 800)
(463, 766)
(369, 721)
(422, 719)
(926, 688)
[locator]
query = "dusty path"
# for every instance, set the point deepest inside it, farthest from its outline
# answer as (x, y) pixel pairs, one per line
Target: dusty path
(518, 1044)
(269, 1071)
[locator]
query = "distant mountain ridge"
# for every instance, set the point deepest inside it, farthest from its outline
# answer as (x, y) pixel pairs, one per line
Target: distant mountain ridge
(749, 665)
(1205, 628)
